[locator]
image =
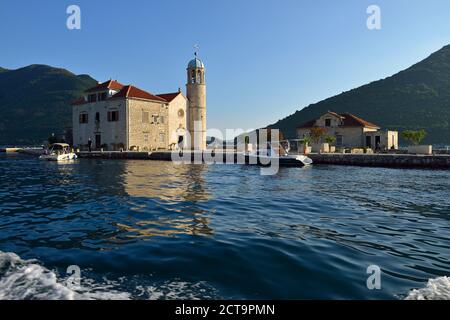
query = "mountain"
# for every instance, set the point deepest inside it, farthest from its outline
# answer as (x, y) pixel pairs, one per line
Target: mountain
(35, 102)
(416, 98)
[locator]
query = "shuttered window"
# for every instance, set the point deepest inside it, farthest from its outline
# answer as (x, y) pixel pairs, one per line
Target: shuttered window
(113, 116)
(84, 118)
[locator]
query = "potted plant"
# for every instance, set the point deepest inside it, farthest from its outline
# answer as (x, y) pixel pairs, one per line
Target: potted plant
(415, 137)
(305, 143)
(330, 140)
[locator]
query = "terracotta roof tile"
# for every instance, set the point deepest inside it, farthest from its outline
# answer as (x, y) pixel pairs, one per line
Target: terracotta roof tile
(169, 96)
(308, 124)
(349, 120)
(130, 91)
(110, 84)
(78, 102)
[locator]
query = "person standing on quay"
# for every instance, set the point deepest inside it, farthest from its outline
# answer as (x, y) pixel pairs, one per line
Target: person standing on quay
(90, 144)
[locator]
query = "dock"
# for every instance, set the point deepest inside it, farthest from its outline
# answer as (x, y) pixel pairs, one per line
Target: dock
(199, 156)
(347, 159)
(437, 161)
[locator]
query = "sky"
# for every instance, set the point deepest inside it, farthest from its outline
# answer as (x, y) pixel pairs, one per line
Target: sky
(264, 59)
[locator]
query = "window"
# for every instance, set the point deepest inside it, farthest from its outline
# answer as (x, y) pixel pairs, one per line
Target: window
(155, 118)
(84, 118)
(181, 113)
(327, 122)
(161, 119)
(92, 98)
(102, 96)
(339, 141)
(97, 117)
(162, 137)
(145, 117)
(113, 116)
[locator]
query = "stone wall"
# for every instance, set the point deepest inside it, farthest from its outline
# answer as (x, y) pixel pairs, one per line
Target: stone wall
(177, 119)
(111, 133)
(383, 160)
(149, 135)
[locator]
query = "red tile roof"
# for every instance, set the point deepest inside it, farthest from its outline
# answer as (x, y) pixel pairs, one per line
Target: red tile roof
(349, 120)
(169, 96)
(130, 91)
(110, 84)
(307, 125)
(78, 102)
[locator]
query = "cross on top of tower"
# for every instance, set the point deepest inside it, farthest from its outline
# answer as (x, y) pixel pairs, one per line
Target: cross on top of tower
(196, 49)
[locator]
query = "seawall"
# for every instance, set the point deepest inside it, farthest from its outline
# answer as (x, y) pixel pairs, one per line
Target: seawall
(384, 160)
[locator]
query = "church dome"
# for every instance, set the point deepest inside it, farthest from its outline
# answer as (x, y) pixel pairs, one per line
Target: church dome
(195, 63)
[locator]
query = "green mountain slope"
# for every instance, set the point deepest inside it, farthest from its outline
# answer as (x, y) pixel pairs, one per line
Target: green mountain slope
(416, 98)
(35, 102)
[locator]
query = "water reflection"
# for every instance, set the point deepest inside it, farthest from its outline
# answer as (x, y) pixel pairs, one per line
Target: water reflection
(165, 181)
(168, 199)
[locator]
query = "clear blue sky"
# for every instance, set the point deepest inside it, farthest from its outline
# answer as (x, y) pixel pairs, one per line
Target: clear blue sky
(264, 58)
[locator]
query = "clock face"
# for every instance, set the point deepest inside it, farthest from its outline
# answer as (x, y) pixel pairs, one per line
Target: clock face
(181, 113)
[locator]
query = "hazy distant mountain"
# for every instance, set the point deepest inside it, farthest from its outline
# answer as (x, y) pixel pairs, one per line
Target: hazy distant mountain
(35, 102)
(416, 98)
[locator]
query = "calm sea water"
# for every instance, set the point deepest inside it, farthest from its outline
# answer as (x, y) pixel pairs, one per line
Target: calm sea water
(155, 230)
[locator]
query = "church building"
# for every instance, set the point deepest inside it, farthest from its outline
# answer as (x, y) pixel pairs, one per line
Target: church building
(123, 117)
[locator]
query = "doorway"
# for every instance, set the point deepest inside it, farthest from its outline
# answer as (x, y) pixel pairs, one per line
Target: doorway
(368, 141)
(378, 142)
(98, 141)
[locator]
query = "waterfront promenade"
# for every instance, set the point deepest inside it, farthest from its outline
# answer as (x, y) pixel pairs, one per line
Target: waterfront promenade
(366, 160)
(438, 161)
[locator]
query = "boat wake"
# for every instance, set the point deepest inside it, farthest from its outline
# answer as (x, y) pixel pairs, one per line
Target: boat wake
(28, 280)
(436, 289)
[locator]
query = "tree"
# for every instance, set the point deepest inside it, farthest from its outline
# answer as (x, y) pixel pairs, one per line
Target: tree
(330, 139)
(414, 136)
(317, 133)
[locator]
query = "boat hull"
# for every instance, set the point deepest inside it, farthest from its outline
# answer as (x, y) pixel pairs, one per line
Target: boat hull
(283, 161)
(61, 157)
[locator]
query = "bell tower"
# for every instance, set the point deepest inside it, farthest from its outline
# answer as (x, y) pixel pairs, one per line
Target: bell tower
(196, 95)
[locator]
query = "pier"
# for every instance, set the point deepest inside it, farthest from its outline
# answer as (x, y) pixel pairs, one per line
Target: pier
(366, 160)
(437, 161)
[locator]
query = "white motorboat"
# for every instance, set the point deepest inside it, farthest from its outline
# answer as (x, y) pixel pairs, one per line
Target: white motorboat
(277, 152)
(59, 152)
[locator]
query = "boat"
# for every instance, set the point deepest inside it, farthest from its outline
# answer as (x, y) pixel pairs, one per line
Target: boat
(59, 152)
(277, 152)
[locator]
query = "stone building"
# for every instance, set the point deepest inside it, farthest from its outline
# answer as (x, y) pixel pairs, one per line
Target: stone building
(116, 116)
(351, 131)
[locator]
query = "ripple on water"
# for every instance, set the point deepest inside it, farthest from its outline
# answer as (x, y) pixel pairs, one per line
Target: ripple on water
(160, 230)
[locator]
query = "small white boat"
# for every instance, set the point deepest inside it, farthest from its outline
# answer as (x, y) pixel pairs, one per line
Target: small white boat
(59, 152)
(277, 152)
